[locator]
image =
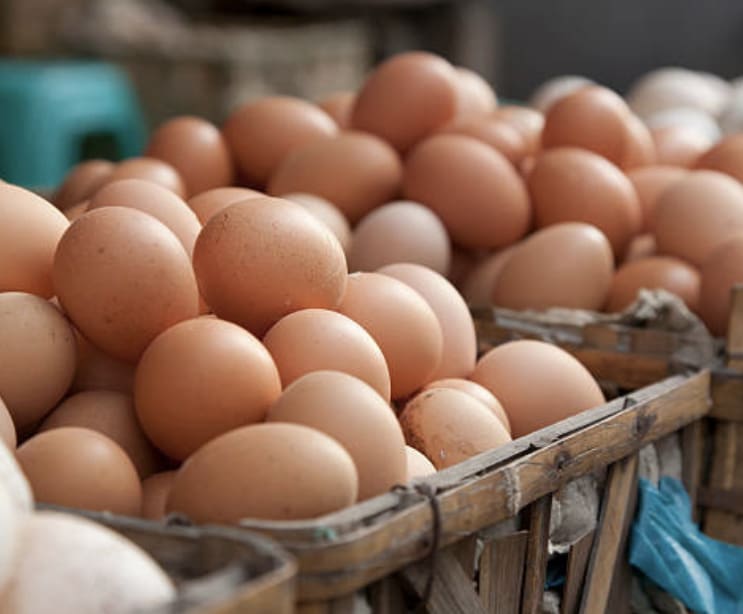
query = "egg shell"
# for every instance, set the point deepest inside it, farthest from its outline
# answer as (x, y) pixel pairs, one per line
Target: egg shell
(418, 466)
(96, 370)
(697, 214)
(459, 348)
(7, 428)
(565, 265)
(642, 246)
(10, 543)
(574, 185)
(528, 122)
(76, 211)
(14, 482)
(403, 325)
(679, 145)
(355, 171)
(150, 169)
(196, 149)
(274, 471)
(78, 467)
(720, 272)
(319, 339)
(406, 98)
(327, 213)
(649, 183)
(199, 379)
(123, 277)
(538, 384)
(400, 231)
(155, 492)
(700, 121)
(473, 189)
(111, 414)
(37, 357)
(449, 426)
(479, 284)
(30, 229)
(475, 97)
(339, 106)
(354, 414)
(493, 131)
(261, 133)
(477, 391)
(640, 149)
(552, 90)
(82, 182)
(103, 571)
(206, 204)
(725, 157)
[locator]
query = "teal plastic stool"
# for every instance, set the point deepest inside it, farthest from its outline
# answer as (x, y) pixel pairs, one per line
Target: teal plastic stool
(54, 114)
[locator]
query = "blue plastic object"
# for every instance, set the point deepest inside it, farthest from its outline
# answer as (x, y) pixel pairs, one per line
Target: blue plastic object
(49, 111)
(706, 575)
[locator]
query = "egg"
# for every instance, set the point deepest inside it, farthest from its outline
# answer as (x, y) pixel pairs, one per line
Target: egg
(354, 171)
(664, 272)
(274, 471)
(76, 211)
(150, 169)
(319, 339)
(642, 246)
(721, 270)
(102, 570)
(30, 229)
(150, 198)
(96, 370)
(459, 348)
(400, 231)
(7, 428)
(473, 189)
(679, 145)
(406, 98)
(479, 284)
(463, 261)
(731, 119)
(37, 357)
(327, 213)
(698, 213)
(82, 182)
(418, 466)
(494, 131)
(111, 414)
(199, 379)
(339, 106)
(537, 383)
(474, 94)
(477, 391)
(565, 265)
(574, 185)
(555, 89)
(697, 120)
(123, 277)
(528, 122)
(14, 482)
(206, 204)
(725, 157)
(261, 133)
(259, 260)
(196, 149)
(449, 426)
(649, 183)
(10, 523)
(640, 146)
(155, 492)
(78, 467)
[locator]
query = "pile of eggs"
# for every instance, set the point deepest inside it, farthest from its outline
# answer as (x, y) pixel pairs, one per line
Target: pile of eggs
(270, 319)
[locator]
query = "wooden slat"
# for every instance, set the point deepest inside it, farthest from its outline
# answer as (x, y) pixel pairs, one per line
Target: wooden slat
(502, 573)
(735, 330)
(465, 551)
(339, 605)
(536, 555)
(576, 573)
(387, 596)
(629, 371)
(724, 500)
(693, 452)
(611, 534)
(727, 396)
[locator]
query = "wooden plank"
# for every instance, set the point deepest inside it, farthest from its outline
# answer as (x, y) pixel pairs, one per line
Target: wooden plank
(724, 500)
(725, 526)
(387, 596)
(502, 573)
(611, 534)
(693, 453)
(576, 573)
(629, 371)
(339, 605)
(465, 551)
(727, 395)
(735, 329)
(536, 555)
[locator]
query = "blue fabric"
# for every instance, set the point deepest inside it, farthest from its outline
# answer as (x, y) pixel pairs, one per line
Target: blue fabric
(703, 573)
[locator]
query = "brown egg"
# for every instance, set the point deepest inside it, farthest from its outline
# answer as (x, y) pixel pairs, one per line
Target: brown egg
(196, 149)
(664, 272)
(206, 204)
(199, 379)
(274, 471)
(529, 123)
(7, 428)
(260, 260)
(720, 272)
(76, 211)
(354, 171)
(457, 328)
(642, 246)
(493, 131)
(96, 370)
(418, 466)
(327, 213)
(30, 229)
(538, 384)
(556, 88)
(406, 98)
(111, 414)
(82, 182)
(400, 231)
(477, 391)
(725, 157)
(37, 356)
(77, 467)
(575, 185)
(123, 277)
(319, 339)
(697, 214)
(566, 265)
(471, 187)
(449, 426)
(403, 325)
(150, 169)
(593, 118)
(155, 492)
(339, 106)
(640, 149)
(352, 413)
(649, 183)
(154, 200)
(679, 145)
(263, 132)
(474, 94)
(478, 286)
